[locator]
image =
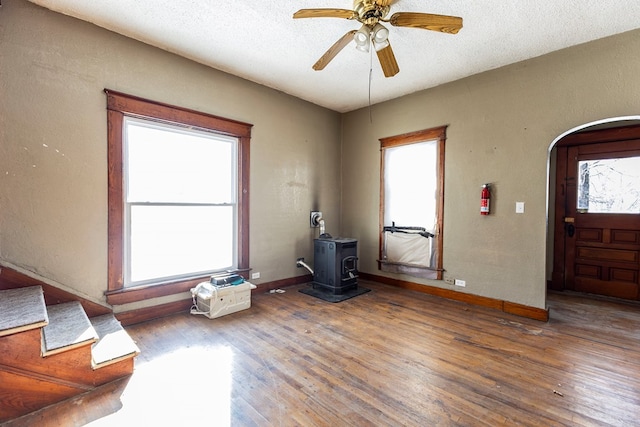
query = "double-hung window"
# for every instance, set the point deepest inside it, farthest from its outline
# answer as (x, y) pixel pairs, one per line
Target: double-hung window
(178, 197)
(180, 202)
(412, 202)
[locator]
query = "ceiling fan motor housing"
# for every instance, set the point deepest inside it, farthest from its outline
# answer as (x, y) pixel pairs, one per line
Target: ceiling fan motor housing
(369, 13)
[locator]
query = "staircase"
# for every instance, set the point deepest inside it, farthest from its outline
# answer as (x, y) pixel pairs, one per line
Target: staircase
(51, 353)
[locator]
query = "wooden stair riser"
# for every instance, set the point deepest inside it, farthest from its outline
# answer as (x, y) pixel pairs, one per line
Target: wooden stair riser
(23, 351)
(21, 394)
(29, 381)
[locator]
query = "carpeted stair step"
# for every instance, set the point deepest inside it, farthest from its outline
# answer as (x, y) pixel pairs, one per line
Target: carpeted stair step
(68, 328)
(22, 309)
(114, 343)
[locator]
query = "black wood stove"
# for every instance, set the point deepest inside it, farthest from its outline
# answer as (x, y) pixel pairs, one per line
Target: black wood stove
(335, 269)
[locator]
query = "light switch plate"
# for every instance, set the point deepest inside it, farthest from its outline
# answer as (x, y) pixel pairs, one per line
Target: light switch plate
(519, 207)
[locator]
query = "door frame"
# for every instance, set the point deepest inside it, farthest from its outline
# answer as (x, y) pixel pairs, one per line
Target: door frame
(606, 130)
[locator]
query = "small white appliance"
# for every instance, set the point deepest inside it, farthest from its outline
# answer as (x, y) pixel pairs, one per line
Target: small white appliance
(219, 300)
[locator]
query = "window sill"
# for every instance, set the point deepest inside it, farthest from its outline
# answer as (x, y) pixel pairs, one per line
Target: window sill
(144, 292)
(410, 270)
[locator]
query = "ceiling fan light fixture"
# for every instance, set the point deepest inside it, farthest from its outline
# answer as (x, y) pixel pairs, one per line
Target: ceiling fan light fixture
(370, 14)
(363, 47)
(362, 38)
(380, 34)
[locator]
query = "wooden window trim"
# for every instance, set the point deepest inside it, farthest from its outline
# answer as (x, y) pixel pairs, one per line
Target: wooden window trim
(121, 105)
(439, 134)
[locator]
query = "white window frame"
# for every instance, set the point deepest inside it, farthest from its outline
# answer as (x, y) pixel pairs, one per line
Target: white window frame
(168, 127)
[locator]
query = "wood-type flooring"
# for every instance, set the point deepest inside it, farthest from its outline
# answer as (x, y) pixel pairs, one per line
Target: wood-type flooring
(390, 357)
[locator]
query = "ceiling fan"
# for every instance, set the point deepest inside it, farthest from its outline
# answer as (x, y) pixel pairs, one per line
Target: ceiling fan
(370, 13)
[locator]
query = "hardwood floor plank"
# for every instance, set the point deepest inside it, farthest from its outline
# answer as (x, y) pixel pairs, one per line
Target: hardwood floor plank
(389, 357)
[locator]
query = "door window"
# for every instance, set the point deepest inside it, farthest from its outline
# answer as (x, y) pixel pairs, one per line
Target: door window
(609, 185)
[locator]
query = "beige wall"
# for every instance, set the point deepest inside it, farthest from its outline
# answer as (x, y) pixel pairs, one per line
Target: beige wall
(501, 124)
(53, 146)
(53, 178)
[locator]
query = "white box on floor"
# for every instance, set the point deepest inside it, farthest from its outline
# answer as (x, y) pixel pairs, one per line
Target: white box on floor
(215, 301)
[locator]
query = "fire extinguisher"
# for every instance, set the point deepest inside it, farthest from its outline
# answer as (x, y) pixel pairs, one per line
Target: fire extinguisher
(485, 198)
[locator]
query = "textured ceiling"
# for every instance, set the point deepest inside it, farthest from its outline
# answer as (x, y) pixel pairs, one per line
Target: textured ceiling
(259, 40)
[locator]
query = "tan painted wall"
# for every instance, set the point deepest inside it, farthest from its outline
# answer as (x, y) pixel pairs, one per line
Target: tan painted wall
(53, 147)
(501, 124)
(53, 178)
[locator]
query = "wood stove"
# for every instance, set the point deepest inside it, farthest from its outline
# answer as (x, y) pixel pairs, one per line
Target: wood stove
(335, 269)
(335, 264)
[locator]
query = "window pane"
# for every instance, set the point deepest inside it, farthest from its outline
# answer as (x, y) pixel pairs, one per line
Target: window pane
(168, 241)
(410, 180)
(609, 185)
(173, 165)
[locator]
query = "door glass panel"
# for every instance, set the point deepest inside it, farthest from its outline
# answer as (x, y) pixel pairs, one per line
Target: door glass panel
(609, 185)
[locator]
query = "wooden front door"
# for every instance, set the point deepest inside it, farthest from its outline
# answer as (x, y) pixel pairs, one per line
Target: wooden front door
(597, 226)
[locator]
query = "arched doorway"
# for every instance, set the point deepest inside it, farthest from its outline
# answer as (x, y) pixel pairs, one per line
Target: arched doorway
(593, 240)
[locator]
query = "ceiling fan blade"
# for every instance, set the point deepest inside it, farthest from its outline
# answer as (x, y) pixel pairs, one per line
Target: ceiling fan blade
(388, 61)
(325, 13)
(427, 21)
(334, 50)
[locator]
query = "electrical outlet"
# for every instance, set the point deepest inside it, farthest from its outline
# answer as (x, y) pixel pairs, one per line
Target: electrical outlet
(449, 280)
(459, 282)
(297, 262)
(255, 275)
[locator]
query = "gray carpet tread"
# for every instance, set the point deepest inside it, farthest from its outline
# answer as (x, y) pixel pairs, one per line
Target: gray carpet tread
(22, 309)
(114, 343)
(68, 328)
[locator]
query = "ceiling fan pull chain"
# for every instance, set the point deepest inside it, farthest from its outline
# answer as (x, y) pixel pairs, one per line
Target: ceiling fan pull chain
(370, 76)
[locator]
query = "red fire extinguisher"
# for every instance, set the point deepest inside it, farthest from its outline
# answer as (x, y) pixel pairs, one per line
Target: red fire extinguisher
(485, 198)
